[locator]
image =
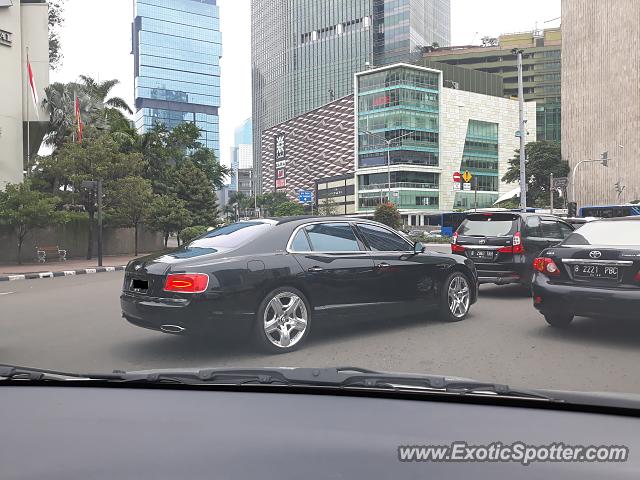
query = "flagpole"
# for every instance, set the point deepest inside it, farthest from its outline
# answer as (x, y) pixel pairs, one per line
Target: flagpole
(75, 118)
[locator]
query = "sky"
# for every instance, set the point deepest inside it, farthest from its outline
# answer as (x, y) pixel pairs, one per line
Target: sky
(96, 41)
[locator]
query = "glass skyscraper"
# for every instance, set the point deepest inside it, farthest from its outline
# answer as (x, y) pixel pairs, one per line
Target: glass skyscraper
(177, 48)
(398, 122)
(305, 52)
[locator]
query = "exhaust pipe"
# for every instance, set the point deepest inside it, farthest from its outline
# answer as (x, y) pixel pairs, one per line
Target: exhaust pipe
(172, 329)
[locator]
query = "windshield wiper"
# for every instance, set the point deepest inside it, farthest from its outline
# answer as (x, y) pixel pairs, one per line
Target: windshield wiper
(347, 378)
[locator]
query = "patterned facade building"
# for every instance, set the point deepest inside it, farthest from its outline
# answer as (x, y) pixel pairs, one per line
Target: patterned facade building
(317, 144)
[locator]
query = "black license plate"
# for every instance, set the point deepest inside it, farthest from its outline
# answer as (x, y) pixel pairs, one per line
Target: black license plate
(606, 272)
(482, 254)
(138, 285)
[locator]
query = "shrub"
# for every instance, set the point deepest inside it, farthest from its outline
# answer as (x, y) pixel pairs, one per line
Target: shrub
(189, 233)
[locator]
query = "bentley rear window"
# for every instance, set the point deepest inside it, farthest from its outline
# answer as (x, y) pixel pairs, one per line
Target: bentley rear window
(231, 236)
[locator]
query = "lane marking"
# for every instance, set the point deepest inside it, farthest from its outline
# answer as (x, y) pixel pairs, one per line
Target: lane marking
(6, 293)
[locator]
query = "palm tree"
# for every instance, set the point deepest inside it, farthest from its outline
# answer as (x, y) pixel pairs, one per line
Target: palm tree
(99, 91)
(59, 103)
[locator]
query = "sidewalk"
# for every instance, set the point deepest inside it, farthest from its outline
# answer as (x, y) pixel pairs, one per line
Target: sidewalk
(59, 269)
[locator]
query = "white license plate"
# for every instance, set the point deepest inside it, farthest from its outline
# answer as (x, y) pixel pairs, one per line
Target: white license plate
(596, 271)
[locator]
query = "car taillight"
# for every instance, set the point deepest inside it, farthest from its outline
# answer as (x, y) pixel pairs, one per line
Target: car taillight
(637, 277)
(547, 266)
(186, 282)
(517, 243)
(515, 247)
(455, 248)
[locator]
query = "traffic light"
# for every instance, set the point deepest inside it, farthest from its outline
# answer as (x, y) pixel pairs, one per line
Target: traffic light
(572, 208)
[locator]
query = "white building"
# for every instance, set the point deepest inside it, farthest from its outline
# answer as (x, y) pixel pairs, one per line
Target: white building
(23, 28)
(245, 156)
(411, 129)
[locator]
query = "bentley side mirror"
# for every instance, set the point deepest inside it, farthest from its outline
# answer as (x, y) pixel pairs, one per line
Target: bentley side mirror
(418, 248)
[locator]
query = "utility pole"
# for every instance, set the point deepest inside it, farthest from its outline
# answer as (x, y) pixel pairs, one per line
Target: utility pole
(475, 194)
(522, 132)
(551, 193)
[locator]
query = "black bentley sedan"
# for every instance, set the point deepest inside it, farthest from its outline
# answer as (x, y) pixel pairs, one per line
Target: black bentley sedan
(594, 272)
(281, 275)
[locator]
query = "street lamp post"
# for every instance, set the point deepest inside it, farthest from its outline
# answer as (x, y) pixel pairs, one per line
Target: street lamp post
(604, 159)
(388, 142)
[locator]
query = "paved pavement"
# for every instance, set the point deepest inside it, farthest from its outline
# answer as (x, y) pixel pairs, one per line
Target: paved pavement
(71, 264)
(74, 323)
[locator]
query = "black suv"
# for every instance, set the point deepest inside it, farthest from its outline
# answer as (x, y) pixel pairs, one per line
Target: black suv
(503, 245)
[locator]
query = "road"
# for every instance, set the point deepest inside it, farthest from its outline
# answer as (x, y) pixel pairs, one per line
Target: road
(74, 323)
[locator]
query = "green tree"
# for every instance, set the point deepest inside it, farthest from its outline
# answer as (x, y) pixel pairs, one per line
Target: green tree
(99, 92)
(388, 214)
(164, 150)
(130, 202)
(542, 158)
(268, 202)
(189, 233)
(58, 102)
(55, 21)
(289, 209)
(168, 214)
(190, 184)
(327, 207)
(25, 209)
(99, 157)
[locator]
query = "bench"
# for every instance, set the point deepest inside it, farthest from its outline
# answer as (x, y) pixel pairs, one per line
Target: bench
(45, 252)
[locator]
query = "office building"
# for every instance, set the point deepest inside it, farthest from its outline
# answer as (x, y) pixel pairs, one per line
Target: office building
(418, 133)
(601, 98)
(541, 70)
(177, 48)
(305, 52)
(242, 177)
(23, 29)
(233, 178)
(335, 195)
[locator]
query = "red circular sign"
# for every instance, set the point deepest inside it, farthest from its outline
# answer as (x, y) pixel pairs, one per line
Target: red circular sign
(457, 177)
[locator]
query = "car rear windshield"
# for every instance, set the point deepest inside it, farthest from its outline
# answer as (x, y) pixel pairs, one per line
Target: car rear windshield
(606, 233)
(231, 236)
(489, 225)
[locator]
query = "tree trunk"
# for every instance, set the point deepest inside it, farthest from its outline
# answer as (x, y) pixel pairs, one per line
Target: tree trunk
(166, 239)
(178, 238)
(135, 241)
(19, 251)
(90, 241)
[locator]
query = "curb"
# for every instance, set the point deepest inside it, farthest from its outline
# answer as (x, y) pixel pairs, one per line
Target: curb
(64, 273)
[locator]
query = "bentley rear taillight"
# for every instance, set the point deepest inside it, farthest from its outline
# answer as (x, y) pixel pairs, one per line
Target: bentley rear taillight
(186, 282)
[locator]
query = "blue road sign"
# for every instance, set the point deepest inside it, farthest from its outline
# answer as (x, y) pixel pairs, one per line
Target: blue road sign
(305, 196)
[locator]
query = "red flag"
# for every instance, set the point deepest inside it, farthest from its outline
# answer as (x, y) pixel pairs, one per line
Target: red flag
(32, 84)
(78, 122)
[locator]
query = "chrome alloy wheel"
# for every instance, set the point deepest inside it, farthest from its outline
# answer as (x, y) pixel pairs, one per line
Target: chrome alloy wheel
(458, 296)
(285, 319)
